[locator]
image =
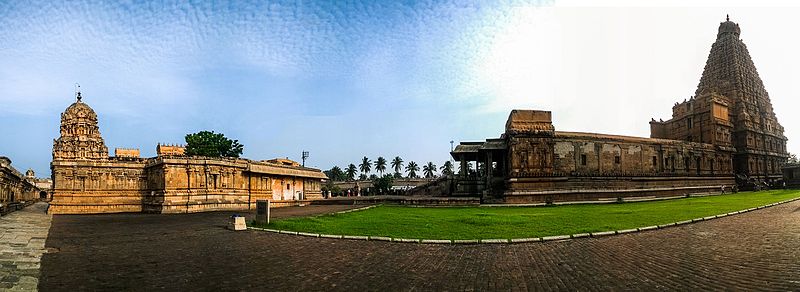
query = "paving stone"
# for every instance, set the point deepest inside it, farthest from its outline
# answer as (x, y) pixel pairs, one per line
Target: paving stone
(22, 243)
(604, 233)
(494, 241)
(436, 241)
(355, 237)
(523, 240)
(466, 241)
(667, 225)
(555, 237)
(380, 238)
(755, 251)
(405, 239)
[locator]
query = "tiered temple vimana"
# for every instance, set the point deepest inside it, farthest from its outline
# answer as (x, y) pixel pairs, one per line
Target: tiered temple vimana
(726, 132)
(87, 180)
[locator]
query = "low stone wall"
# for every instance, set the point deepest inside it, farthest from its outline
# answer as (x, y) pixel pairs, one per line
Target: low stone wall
(399, 200)
(564, 189)
(6, 208)
(96, 202)
(440, 187)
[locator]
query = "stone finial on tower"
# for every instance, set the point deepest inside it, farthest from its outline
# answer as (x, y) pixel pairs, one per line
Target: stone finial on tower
(727, 17)
(78, 91)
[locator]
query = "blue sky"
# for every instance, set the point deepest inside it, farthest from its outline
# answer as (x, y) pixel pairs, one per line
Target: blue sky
(345, 79)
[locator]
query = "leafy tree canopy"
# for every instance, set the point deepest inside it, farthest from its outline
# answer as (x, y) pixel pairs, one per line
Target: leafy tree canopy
(350, 172)
(412, 169)
(383, 184)
(336, 174)
(210, 144)
(447, 168)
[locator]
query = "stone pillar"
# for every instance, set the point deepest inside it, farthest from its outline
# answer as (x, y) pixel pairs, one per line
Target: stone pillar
(463, 161)
(488, 169)
(262, 211)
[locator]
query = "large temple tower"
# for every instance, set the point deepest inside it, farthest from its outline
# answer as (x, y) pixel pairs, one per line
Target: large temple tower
(731, 109)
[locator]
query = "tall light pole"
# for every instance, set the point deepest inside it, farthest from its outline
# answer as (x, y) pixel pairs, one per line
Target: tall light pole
(452, 162)
(303, 194)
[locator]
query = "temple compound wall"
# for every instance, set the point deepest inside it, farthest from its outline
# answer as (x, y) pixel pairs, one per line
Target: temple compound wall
(86, 180)
(14, 186)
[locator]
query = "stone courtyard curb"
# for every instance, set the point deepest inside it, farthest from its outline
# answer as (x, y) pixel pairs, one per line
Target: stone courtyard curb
(513, 240)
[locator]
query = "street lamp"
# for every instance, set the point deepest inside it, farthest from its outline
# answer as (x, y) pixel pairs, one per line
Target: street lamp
(452, 162)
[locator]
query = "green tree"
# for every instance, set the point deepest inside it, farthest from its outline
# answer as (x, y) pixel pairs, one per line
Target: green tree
(397, 164)
(365, 166)
(412, 169)
(335, 174)
(429, 170)
(383, 184)
(447, 168)
(332, 188)
(351, 171)
(210, 144)
(793, 159)
(380, 165)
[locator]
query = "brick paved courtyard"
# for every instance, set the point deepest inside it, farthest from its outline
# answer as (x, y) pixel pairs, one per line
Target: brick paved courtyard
(22, 240)
(754, 251)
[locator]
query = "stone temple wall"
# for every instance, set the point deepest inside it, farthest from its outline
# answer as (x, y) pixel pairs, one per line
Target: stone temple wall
(97, 186)
(567, 166)
(533, 163)
(13, 185)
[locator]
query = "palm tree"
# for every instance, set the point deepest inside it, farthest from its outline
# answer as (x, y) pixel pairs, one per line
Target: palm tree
(335, 174)
(397, 164)
(351, 171)
(447, 168)
(429, 170)
(412, 169)
(380, 165)
(365, 166)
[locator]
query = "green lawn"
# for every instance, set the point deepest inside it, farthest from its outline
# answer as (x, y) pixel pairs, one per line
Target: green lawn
(522, 222)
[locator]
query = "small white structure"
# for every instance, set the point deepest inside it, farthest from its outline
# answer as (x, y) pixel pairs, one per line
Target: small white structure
(237, 223)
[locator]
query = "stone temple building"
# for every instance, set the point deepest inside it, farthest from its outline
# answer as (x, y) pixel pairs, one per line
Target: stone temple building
(87, 180)
(727, 131)
(14, 186)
